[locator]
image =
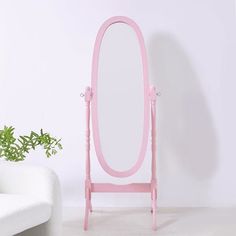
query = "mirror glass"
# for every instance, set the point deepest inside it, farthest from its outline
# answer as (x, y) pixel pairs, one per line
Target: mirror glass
(120, 97)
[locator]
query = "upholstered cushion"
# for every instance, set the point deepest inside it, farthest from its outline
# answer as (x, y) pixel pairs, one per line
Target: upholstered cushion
(20, 212)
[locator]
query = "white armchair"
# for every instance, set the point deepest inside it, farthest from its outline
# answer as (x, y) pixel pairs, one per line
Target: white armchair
(30, 201)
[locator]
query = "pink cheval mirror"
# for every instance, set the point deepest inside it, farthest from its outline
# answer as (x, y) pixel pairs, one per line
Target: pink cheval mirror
(122, 103)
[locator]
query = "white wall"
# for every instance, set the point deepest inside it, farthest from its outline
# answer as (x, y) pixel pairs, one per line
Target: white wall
(45, 62)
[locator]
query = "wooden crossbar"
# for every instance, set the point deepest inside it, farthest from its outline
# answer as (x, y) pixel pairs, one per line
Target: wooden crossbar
(127, 188)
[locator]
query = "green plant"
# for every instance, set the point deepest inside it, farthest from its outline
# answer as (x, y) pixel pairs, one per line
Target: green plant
(13, 149)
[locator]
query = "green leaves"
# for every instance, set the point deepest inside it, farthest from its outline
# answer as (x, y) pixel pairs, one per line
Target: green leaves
(13, 149)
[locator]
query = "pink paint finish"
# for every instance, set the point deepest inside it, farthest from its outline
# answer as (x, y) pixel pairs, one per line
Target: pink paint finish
(127, 188)
(149, 107)
(87, 98)
(142, 152)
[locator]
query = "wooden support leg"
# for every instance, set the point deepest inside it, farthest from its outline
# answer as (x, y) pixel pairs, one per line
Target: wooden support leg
(154, 209)
(153, 180)
(86, 215)
(88, 206)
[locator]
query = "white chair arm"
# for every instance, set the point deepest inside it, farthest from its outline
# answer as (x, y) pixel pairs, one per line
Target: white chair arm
(28, 180)
(38, 182)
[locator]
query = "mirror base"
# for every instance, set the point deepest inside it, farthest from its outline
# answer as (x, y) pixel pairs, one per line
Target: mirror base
(127, 188)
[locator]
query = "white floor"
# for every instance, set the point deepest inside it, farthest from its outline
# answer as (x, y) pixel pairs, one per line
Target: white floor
(171, 221)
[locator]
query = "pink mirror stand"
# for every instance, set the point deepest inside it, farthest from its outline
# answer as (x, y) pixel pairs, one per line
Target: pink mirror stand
(149, 109)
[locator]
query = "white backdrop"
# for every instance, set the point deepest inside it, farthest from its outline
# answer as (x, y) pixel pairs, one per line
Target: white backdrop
(45, 63)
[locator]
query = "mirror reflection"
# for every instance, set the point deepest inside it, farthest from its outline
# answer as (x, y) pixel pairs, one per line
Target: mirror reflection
(120, 97)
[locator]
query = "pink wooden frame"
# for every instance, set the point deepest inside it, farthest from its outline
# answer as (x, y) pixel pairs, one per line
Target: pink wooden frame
(101, 32)
(149, 105)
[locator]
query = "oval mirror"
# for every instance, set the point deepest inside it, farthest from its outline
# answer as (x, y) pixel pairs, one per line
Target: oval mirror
(120, 104)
